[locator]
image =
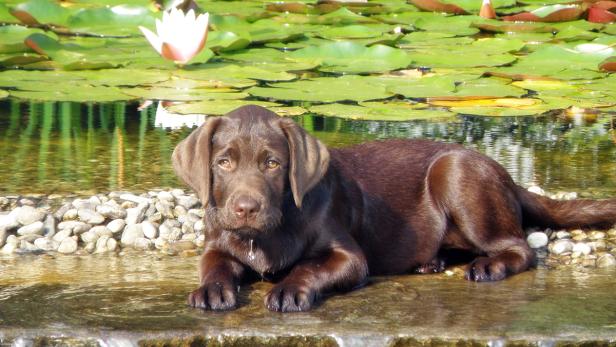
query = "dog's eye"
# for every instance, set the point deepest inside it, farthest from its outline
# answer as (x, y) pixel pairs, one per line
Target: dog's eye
(224, 163)
(272, 164)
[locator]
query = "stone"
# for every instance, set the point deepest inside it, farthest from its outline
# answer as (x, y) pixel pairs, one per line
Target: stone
(9, 221)
(177, 192)
(589, 262)
(95, 200)
(136, 214)
(101, 244)
(116, 225)
(581, 248)
(3, 235)
(101, 230)
(182, 245)
(606, 260)
(200, 241)
(156, 218)
(89, 247)
(189, 237)
(537, 190)
(49, 226)
(597, 235)
(68, 246)
(180, 210)
(199, 212)
(175, 234)
(27, 247)
(143, 244)
(4, 202)
(35, 228)
(27, 202)
(160, 243)
(70, 214)
(599, 245)
(187, 201)
(62, 234)
(561, 246)
(165, 196)
(165, 209)
(46, 244)
(187, 228)
(537, 240)
(72, 224)
(12, 240)
(199, 226)
(90, 216)
(111, 211)
(134, 198)
(562, 234)
(128, 204)
(89, 236)
(27, 215)
(149, 230)
(8, 249)
(131, 233)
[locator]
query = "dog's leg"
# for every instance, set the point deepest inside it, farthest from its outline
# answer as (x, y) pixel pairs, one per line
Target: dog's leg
(478, 196)
(435, 266)
(340, 269)
(219, 275)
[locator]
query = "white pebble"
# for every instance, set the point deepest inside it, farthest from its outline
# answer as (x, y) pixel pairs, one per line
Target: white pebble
(537, 240)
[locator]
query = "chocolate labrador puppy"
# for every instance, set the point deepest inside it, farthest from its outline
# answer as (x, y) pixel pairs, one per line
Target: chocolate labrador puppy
(278, 201)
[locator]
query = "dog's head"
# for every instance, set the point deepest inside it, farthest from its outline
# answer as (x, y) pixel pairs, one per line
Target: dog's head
(241, 165)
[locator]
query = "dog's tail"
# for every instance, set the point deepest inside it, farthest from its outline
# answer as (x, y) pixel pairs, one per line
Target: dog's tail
(544, 212)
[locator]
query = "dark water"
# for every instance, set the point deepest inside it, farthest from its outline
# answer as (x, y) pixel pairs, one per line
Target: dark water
(84, 148)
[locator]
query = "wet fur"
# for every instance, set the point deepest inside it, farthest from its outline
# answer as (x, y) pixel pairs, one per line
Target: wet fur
(329, 218)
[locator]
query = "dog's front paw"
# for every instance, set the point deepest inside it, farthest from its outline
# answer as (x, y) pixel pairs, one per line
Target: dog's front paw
(484, 269)
(290, 298)
(217, 296)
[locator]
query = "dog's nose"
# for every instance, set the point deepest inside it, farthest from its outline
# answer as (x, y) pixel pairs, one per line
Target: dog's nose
(246, 207)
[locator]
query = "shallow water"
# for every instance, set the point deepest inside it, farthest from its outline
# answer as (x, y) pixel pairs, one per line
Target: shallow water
(141, 296)
(68, 147)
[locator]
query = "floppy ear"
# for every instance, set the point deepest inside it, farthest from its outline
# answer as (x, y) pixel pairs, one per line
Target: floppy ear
(308, 159)
(191, 159)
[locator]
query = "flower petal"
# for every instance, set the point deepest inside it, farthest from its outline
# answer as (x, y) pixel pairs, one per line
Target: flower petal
(154, 40)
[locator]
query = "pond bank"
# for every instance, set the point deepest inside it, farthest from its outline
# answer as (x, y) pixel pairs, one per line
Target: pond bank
(171, 222)
(140, 299)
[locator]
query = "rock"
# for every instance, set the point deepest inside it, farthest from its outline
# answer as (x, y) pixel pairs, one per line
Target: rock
(27, 215)
(135, 215)
(180, 210)
(134, 198)
(537, 240)
(187, 201)
(188, 218)
(149, 230)
(599, 245)
(89, 247)
(68, 246)
(165, 196)
(606, 260)
(29, 238)
(131, 233)
(95, 200)
(589, 262)
(49, 226)
(72, 224)
(35, 228)
(27, 247)
(46, 244)
(105, 244)
(199, 226)
(62, 234)
(189, 237)
(177, 193)
(199, 212)
(27, 202)
(59, 214)
(85, 204)
(143, 244)
(90, 216)
(116, 225)
(187, 228)
(597, 235)
(128, 204)
(111, 211)
(561, 246)
(581, 248)
(101, 230)
(537, 190)
(562, 234)
(165, 209)
(182, 245)
(175, 234)
(155, 218)
(9, 221)
(89, 236)
(4, 202)
(70, 214)
(8, 249)
(3, 234)
(200, 241)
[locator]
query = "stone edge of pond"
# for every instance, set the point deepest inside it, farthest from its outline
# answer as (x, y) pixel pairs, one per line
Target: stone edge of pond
(233, 339)
(171, 221)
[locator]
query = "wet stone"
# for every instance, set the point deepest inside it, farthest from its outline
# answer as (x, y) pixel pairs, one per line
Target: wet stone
(46, 244)
(131, 233)
(116, 225)
(62, 234)
(597, 235)
(89, 236)
(187, 201)
(111, 211)
(89, 247)
(90, 216)
(562, 234)
(136, 214)
(27, 247)
(35, 228)
(581, 248)
(143, 244)
(606, 260)
(68, 246)
(27, 215)
(561, 246)
(149, 230)
(537, 240)
(71, 214)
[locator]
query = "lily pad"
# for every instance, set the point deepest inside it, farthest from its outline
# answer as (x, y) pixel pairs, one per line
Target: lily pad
(75, 93)
(459, 59)
(216, 107)
(174, 94)
(351, 57)
(225, 41)
(354, 31)
(393, 111)
(41, 12)
(120, 20)
(325, 89)
(3, 94)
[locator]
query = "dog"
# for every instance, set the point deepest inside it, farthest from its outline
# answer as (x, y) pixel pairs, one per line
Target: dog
(279, 203)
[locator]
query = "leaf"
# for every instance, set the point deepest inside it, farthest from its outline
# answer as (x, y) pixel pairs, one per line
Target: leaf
(325, 89)
(608, 64)
(497, 102)
(216, 107)
(351, 57)
(117, 20)
(393, 111)
(174, 94)
(353, 31)
(226, 41)
(74, 93)
(41, 12)
(3, 94)
(459, 59)
(552, 13)
(438, 6)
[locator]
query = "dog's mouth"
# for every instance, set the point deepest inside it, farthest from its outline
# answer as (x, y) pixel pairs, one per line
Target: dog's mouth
(218, 218)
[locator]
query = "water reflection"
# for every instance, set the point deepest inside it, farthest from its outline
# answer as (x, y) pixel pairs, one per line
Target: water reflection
(68, 147)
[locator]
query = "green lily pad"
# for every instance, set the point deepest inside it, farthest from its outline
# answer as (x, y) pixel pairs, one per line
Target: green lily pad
(343, 16)
(75, 93)
(174, 94)
(5, 15)
(226, 41)
(354, 31)
(13, 36)
(3, 94)
(457, 25)
(501, 111)
(325, 89)
(393, 111)
(234, 75)
(118, 20)
(41, 12)
(350, 57)
(216, 107)
(459, 59)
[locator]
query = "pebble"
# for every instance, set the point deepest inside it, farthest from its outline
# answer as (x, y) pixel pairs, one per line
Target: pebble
(166, 196)
(62, 234)
(143, 244)
(116, 225)
(90, 216)
(561, 246)
(199, 226)
(537, 240)
(536, 190)
(70, 214)
(149, 230)
(187, 201)
(110, 211)
(131, 233)
(606, 260)
(3, 234)
(9, 221)
(135, 215)
(49, 226)
(68, 246)
(134, 198)
(165, 209)
(562, 234)
(27, 215)
(36, 228)
(581, 248)
(597, 235)
(46, 244)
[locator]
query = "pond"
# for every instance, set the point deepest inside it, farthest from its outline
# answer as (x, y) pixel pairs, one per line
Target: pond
(88, 148)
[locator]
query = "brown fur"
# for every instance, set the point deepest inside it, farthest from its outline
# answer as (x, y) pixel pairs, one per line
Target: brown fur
(279, 202)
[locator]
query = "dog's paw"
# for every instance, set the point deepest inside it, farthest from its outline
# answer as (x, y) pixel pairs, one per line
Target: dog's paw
(216, 296)
(435, 266)
(290, 298)
(484, 269)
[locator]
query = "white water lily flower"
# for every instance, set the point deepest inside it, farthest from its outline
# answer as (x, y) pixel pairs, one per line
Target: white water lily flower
(180, 36)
